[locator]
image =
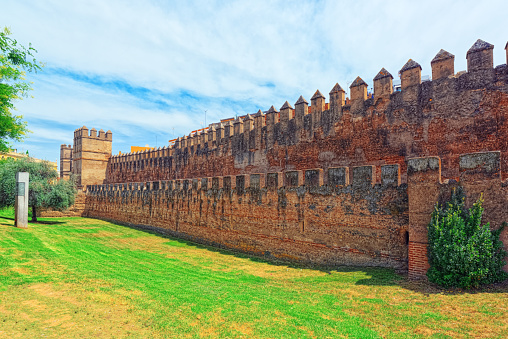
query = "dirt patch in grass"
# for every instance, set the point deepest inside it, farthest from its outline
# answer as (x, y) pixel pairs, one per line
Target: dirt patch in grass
(65, 311)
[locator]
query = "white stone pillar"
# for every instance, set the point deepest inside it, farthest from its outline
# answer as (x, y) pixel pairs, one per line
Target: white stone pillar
(21, 203)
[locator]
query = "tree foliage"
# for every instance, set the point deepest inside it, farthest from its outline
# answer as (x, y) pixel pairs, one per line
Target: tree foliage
(15, 60)
(462, 252)
(45, 189)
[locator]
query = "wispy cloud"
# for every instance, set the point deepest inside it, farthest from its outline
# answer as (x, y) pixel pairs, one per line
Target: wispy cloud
(149, 70)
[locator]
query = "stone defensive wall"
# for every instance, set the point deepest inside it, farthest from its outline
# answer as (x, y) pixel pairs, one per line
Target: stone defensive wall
(352, 181)
(453, 114)
(292, 215)
(288, 215)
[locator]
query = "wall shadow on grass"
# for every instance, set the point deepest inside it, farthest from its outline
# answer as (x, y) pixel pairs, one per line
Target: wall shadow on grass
(378, 276)
(428, 288)
(42, 222)
(47, 222)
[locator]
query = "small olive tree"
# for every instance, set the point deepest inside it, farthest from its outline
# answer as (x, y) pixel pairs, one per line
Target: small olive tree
(462, 252)
(45, 189)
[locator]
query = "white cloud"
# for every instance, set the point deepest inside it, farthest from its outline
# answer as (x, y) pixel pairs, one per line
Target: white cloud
(224, 54)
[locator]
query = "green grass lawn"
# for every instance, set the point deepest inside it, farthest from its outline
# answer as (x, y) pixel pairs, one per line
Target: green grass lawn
(76, 277)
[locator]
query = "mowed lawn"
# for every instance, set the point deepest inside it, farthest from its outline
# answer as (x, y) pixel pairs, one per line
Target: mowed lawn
(77, 277)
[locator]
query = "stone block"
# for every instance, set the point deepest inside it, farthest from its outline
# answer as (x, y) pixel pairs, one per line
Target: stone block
(21, 200)
(390, 175)
(338, 176)
(227, 183)
(293, 178)
(314, 177)
(204, 183)
(418, 227)
(240, 184)
(255, 181)
(216, 183)
(428, 168)
(362, 176)
(274, 180)
(480, 166)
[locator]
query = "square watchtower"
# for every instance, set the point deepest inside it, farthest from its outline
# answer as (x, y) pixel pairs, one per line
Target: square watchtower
(90, 157)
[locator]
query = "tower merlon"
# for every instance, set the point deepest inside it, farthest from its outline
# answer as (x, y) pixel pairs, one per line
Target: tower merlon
(317, 102)
(337, 97)
(383, 85)
(442, 65)
(228, 129)
(286, 114)
(238, 126)
(272, 116)
(480, 56)
(358, 90)
(249, 123)
(301, 110)
(410, 74)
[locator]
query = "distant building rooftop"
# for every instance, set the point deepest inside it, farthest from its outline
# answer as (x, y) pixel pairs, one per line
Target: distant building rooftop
(15, 155)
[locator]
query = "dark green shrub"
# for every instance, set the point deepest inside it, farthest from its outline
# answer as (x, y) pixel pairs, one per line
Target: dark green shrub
(462, 252)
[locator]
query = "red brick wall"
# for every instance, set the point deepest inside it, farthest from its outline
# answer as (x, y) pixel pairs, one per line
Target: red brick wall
(359, 224)
(417, 260)
(445, 118)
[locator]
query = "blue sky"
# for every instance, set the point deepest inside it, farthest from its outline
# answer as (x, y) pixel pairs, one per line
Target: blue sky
(149, 70)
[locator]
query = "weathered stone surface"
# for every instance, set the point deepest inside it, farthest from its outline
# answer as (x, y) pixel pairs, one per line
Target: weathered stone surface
(390, 175)
(442, 65)
(423, 164)
(314, 177)
(438, 120)
(480, 166)
(362, 176)
(339, 226)
(338, 176)
(293, 178)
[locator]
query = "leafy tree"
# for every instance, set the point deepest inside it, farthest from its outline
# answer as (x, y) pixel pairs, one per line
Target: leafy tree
(45, 190)
(462, 252)
(15, 60)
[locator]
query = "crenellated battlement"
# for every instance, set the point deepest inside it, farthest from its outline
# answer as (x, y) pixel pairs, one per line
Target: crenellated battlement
(268, 130)
(83, 132)
(443, 116)
(311, 179)
(453, 113)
